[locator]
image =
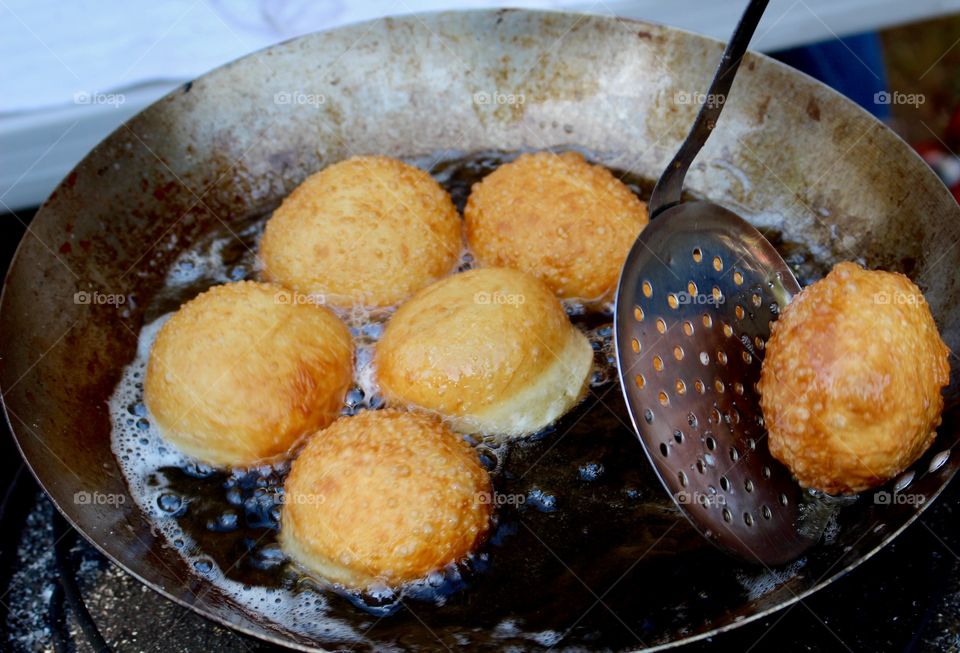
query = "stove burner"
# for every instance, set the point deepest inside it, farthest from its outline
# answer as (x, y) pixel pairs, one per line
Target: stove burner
(64, 539)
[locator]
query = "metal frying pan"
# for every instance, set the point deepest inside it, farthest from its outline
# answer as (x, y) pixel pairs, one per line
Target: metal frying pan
(793, 157)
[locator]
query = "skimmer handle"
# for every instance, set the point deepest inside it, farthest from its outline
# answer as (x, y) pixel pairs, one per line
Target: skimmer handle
(668, 190)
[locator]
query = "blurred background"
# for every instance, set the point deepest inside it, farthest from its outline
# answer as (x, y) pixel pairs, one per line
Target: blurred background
(73, 71)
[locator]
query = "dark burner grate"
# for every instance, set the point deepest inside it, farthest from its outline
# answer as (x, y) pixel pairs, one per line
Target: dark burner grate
(906, 599)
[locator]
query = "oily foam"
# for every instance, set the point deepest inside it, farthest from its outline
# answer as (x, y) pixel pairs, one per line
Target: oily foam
(142, 454)
(145, 458)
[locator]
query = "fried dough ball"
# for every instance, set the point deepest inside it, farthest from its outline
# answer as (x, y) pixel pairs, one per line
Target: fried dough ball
(370, 230)
(558, 217)
(242, 371)
(384, 497)
(850, 385)
(490, 349)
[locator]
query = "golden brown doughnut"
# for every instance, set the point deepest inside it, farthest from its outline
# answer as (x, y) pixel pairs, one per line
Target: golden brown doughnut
(385, 497)
(558, 217)
(490, 349)
(370, 230)
(238, 374)
(850, 385)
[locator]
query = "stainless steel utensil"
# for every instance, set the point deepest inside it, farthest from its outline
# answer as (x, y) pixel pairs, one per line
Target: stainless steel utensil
(697, 295)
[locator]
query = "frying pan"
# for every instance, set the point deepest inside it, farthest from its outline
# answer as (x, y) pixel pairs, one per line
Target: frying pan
(793, 156)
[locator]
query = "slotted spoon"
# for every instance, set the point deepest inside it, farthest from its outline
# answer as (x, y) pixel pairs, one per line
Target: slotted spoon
(697, 295)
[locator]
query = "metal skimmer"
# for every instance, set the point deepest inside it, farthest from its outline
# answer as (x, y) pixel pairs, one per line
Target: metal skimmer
(697, 295)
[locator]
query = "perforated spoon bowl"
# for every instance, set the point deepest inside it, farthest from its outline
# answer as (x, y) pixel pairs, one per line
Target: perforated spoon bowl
(697, 295)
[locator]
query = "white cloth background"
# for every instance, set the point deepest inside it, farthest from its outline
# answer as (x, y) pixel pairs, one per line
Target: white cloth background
(58, 56)
(54, 50)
